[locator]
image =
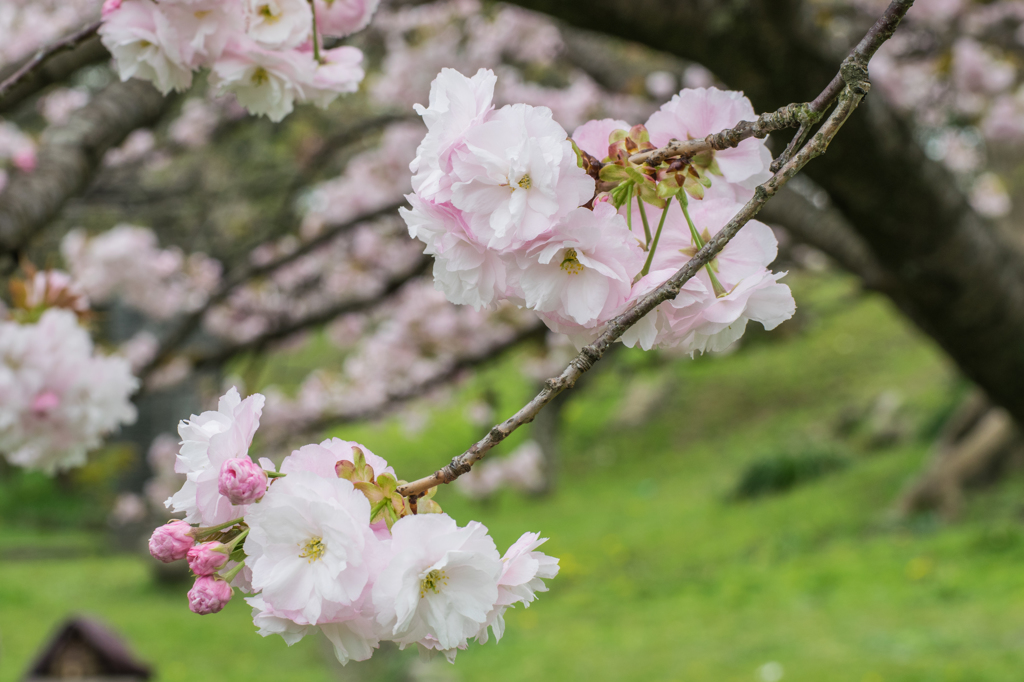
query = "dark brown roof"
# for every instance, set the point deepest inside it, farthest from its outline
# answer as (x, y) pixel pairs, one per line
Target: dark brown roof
(82, 647)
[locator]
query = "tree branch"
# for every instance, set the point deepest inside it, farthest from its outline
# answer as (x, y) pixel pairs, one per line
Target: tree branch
(69, 156)
(67, 43)
(285, 330)
(52, 64)
(191, 322)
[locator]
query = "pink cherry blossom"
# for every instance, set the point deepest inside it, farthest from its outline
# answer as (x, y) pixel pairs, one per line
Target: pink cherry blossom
(344, 17)
(144, 44)
(208, 440)
(584, 268)
(464, 269)
(457, 104)
(522, 575)
(58, 397)
(517, 174)
(279, 24)
(323, 459)
(697, 113)
(171, 541)
(208, 595)
(266, 82)
(592, 136)
(441, 581)
(310, 545)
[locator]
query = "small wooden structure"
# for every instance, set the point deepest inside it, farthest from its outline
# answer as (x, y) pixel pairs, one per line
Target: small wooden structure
(83, 649)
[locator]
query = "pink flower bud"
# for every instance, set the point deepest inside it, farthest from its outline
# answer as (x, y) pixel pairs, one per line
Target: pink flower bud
(242, 481)
(204, 559)
(171, 542)
(208, 595)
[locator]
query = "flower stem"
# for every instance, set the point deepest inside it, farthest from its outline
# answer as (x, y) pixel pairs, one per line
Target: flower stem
(699, 243)
(629, 208)
(198, 532)
(643, 217)
(274, 474)
(657, 237)
(230, 575)
(316, 38)
(230, 547)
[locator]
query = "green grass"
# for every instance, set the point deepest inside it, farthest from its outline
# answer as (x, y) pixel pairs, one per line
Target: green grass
(663, 577)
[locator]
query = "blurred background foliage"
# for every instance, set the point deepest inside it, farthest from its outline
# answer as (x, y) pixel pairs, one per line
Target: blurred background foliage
(665, 574)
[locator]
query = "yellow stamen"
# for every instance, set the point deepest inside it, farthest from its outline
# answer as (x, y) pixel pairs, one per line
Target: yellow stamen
(525, 182)
(571, 264)
(433, 582)
(313, 550)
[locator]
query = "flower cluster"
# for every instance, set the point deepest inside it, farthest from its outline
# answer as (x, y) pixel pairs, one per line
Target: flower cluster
(268, 53)
(507, 205)
(327, 543)
(127, 260)
(58, 397)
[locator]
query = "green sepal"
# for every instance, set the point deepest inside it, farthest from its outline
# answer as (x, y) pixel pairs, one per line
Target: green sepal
(579, 154)
(614, 173)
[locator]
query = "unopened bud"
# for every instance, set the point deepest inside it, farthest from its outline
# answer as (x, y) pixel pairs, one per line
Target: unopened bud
(242, 481)
(206, 558)
(171, 541)
(208, 595)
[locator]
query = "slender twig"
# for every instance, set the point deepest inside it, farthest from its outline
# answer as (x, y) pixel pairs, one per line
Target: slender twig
(788, 116)
(879, 32)
(855, 76)
(66, 43)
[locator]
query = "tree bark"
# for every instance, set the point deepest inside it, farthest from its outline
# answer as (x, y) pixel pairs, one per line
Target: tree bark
(69, 156)
(951, 272)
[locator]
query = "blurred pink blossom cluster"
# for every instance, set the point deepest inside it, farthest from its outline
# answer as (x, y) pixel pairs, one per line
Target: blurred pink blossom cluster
(502, 202)
(421, 40)
(411, 340)
(332, 547)
(127, 262)
(17, 151)
(26, 25)
(954, 67)
(268, 53)
(58, 396)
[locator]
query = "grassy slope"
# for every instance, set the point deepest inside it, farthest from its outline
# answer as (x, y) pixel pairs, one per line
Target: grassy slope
(662, 578)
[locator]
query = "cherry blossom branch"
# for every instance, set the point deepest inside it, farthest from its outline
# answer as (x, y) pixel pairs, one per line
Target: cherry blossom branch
(69, 156)
(282, 331)
(191, 322)
(36, 62)
(857, 86)
(789, 116)
(880, 31)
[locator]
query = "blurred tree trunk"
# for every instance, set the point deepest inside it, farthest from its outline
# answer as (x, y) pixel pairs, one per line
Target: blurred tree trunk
(945, 267)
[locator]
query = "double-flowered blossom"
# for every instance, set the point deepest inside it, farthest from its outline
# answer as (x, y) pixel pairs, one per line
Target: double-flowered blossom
(507, 208)
(331, 546)
(266, 52)
(440, 583)
(208, 441)
(58, 396)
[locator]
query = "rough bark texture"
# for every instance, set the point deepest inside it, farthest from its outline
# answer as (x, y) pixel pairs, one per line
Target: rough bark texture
(55, 69)
(956, 277)
(68, 157)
